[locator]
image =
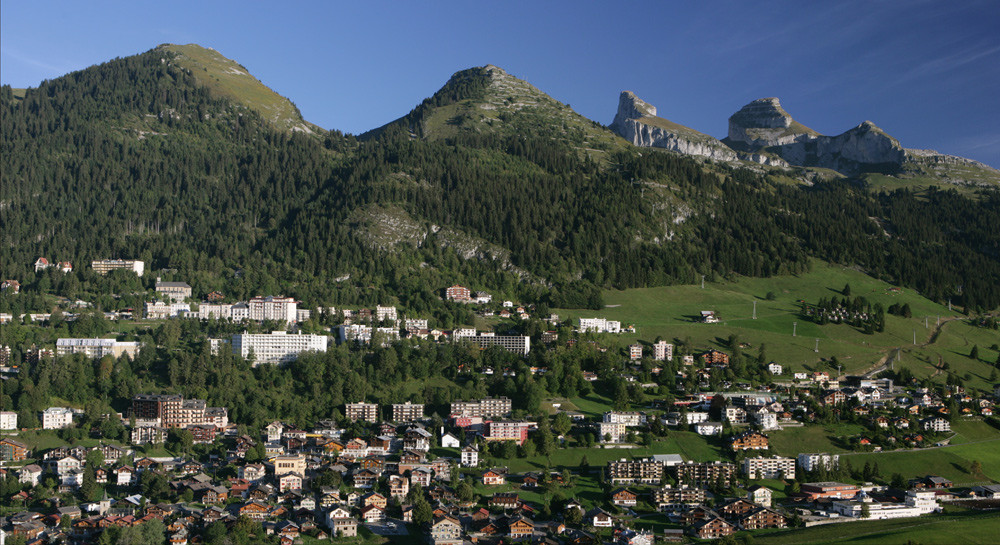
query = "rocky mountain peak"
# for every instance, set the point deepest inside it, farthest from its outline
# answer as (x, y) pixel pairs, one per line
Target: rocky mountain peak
(763, 113)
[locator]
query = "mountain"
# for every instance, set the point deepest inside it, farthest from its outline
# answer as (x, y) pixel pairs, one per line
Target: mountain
(227, 78)
(489, 100)
(489, 183)
(636, 121)
(763, 132)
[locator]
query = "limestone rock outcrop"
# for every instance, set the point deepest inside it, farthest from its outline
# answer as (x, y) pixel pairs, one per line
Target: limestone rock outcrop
(636, 121)
(765, 125)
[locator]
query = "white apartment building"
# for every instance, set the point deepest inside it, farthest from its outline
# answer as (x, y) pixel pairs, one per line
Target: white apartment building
(385, 313)
(278, 347)
(415, 323)
(635, 351)
(812, 461)
(519, 344)
(8, 420)
(176, 291)
(363, 333)
(599, 325)
(55, 418)
(159, 310)
(281, 309)
(694, 417)
(775, 467)
(774, 368)
(736, 415)
(766, 419)
(488, 407)
(104, 266)
(936, 424)
(407, 412)
(96, 348)
(663, 351)
(629, 419)
(611, 432)
(367, 412)
(918, 502)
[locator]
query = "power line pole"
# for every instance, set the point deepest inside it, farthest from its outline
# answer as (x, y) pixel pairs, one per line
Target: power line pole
(755, 310)
(817, 346)
(703, 284)
(794, 325)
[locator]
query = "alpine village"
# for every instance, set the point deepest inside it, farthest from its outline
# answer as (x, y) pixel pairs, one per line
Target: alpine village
(490, 321)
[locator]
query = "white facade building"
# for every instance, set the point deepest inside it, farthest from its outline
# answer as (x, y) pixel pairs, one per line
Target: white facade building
(663, 351)
(774, 467)
(812, 461)
(159, 310)
(599, 325)
(55, 418)
(278, 347)
(96, 348)
(8, 420)
(281, 309)
(104, 266)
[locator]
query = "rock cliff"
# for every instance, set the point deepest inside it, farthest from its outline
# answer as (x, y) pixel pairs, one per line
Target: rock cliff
(636, 121)
(765, 125)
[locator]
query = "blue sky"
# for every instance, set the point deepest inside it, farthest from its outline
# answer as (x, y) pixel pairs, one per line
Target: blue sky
(927, 72)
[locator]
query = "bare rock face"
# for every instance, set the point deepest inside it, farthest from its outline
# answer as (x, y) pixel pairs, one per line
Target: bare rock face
(764, 124)
(636, 121)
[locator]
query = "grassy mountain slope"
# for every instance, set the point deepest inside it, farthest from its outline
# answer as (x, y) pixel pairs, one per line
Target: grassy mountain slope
(488, 100)
(227, 78)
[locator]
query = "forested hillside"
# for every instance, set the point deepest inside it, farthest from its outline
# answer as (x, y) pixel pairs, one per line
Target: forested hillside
(135, 159)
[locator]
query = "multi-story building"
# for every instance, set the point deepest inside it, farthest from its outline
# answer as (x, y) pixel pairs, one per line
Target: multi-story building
(668, 498)
(178, 291)
(290, 463)
(630, 419)
(599, 325)
(507, 430)
(635, 351)
(12, 450)
(8, 420)
(470, 456)
(407, 412)
(363, 333)
(936, 424)
(459, 294)
(446, 530)
(646, 470)
(415, 323)
(365, 412)
(97, 348)
(385, 313)
(148, 434)
(611, 432)
(488, 407)
(774, 467)
(104, 266)
(279, 309)
(749, 440)
(663, 350)
(706, 473)
(158, 310)
(278, 347)
(829, 489)
(519, 344)
(55, 418)
(173, 411)
(813, 461)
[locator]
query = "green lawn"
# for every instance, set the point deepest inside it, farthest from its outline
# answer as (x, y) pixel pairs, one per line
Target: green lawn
(672, 312)
(965, 527)
(813, 438)
(953, 462)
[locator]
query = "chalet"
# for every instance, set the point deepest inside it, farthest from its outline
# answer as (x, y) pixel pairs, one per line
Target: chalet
(761, 495)
(624, 497)
(504, 500)
(762, 518)
(373, 498)
(494, 477)
(372, 513)
(12, 450)
(712, 528)
(599, 518)
(749, 440)
(521, 527)
(365, 478)
(399, 486)
(421, 476)
(124, 476)
(446, 530)
(254, 511)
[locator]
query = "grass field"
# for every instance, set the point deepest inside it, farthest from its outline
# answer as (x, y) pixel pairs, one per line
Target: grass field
(813, 438)
(672, 313)
(953, 462)
(962, 527)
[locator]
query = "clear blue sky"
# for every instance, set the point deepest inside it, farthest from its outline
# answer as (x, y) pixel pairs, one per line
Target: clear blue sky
(927, 72)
